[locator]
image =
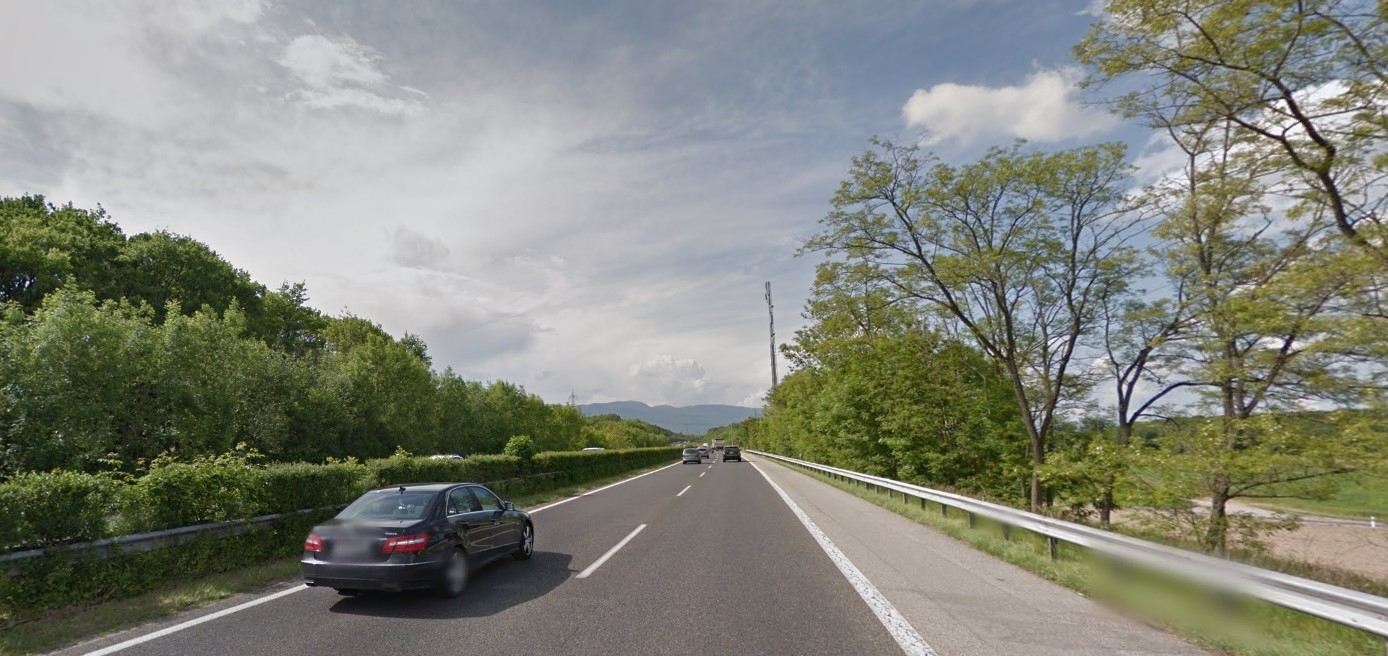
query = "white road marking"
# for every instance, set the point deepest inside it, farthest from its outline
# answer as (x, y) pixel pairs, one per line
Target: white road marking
(701, 474)
(686, 489)
(901, 630)
(592, 492)
(592, 568)
(710, 466)
(192, 623)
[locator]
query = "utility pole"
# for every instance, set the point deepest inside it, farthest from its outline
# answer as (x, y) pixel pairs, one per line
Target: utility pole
(771, 316)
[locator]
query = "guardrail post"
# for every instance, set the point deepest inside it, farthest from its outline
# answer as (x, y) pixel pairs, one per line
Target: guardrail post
(1006, 532)
(944, 510)
(922, 503)
(973, 522)
(1055, 547)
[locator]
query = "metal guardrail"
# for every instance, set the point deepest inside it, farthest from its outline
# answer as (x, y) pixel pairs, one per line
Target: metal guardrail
(1366, 612)
(140, 542)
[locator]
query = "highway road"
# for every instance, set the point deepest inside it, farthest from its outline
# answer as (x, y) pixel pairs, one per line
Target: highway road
(725, 558)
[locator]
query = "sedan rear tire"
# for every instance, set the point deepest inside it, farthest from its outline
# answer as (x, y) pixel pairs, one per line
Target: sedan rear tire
(455, 575)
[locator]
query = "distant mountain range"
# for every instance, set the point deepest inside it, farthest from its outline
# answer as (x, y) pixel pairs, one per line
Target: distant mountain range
(690, 420)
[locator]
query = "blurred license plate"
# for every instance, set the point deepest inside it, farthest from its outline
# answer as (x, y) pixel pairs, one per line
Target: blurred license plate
(354, 549)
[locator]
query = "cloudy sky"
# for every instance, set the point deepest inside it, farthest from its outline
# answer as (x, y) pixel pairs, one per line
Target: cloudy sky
(580, 197)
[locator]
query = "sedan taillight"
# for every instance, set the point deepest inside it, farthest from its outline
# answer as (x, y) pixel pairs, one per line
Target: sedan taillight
(313, 543)
(414, 543)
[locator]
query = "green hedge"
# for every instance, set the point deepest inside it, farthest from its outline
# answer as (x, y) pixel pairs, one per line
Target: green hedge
(295, 486)
(46, 509)
(404, 469)
(41, 509)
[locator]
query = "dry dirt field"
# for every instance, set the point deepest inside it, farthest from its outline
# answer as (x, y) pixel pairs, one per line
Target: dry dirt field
(1357, 549)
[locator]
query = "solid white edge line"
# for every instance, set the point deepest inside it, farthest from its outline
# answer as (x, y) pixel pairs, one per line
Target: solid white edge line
(617, 547)
(901, 630)
(194, 622)
(686, 489)
(592, 492)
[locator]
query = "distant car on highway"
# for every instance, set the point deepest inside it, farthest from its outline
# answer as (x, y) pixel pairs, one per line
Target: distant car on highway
(731, 452)
(446, 456)
(691, 455)
(703, 451)
(593, 448)
(415, 536)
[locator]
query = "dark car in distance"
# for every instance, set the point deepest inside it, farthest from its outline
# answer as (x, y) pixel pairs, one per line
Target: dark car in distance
(417, 536)
(732, 453)
(689, 455)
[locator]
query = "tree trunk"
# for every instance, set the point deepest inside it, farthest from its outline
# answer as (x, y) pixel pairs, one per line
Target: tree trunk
(1217, 532)
(1124, 435)
(1106, 504)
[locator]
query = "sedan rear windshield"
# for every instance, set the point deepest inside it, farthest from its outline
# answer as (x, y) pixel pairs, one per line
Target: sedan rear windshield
(389, 504)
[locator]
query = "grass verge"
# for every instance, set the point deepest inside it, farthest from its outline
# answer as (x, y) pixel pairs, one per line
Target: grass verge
(60, 628)
(1224, 625)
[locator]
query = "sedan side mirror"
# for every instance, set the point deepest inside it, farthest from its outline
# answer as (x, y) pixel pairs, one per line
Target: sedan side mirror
(508, 505)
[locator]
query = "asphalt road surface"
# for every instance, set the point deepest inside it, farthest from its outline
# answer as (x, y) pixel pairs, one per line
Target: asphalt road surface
(706, 559)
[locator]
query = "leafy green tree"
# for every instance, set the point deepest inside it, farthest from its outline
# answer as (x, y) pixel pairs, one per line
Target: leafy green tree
(43, 246)
(875, 390)
(160, 268)
(78, 381)
(288, 323)
(1272, 326)
(1012, 252)
(390, 391)
(1304, 81)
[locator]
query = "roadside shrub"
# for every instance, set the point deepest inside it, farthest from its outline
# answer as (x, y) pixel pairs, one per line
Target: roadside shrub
(286, 487)
(208, 489)
(47, 508)
(521, 446)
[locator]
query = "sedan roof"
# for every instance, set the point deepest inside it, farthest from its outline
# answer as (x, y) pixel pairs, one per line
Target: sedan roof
(422, 487)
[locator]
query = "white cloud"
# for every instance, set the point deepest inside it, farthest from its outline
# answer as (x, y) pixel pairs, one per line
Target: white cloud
(322, 62)
(341, 73)
(669, 371)
(756, 399)
(1043, 109)
(1095, 8)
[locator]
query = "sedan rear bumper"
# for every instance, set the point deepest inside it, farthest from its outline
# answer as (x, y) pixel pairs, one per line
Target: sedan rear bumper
(390, 577)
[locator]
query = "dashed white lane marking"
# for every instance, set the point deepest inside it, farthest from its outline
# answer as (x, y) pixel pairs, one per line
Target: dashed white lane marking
(901, 630)
(701, 474)
(710, 466)
(592, 492)
(594, 567)
(686, 489)
(192, 623)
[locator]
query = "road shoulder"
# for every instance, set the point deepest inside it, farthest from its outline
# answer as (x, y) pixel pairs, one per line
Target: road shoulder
(963, 601)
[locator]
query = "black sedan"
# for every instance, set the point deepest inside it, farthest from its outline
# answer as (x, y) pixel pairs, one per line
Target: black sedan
(415, 536)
